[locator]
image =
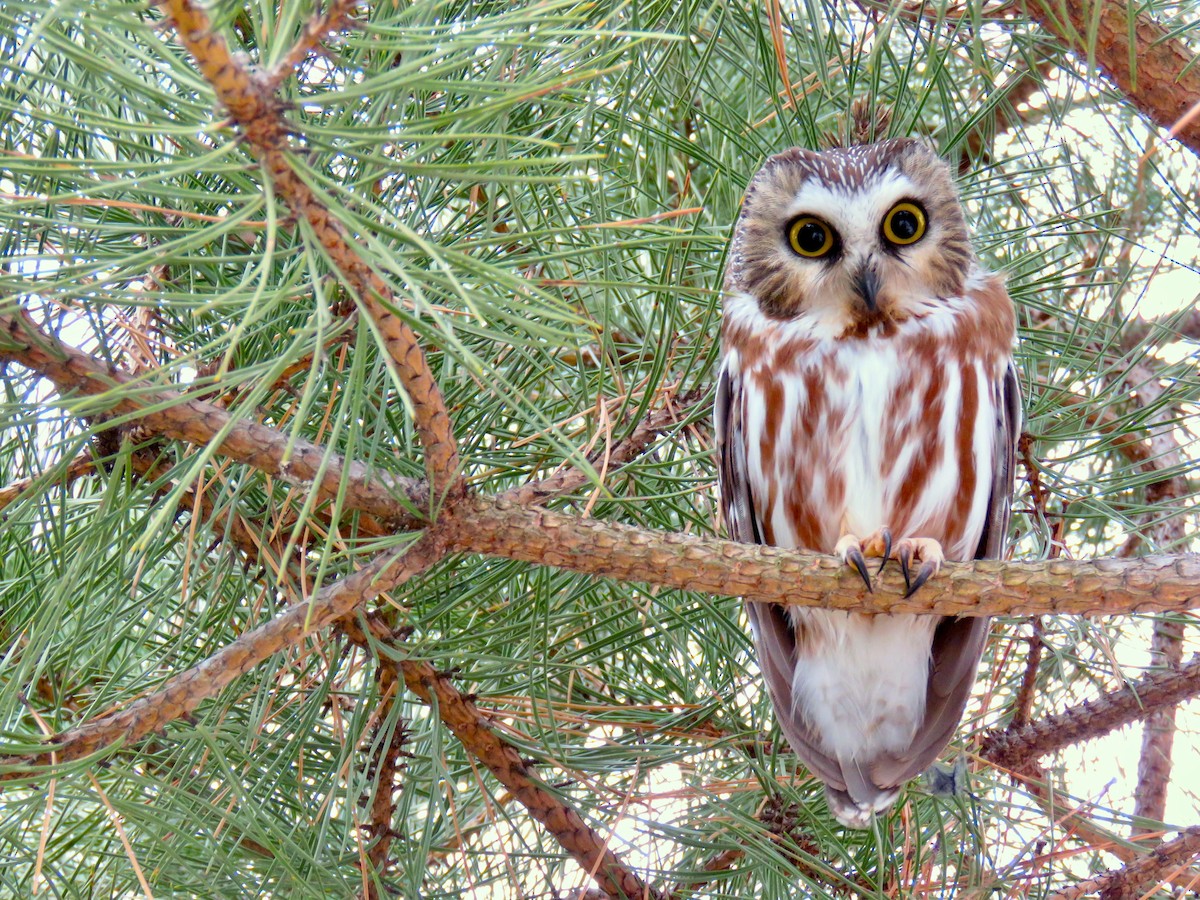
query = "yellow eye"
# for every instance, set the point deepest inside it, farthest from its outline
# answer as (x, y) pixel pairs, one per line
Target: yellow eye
(810, 237)
(904, 224)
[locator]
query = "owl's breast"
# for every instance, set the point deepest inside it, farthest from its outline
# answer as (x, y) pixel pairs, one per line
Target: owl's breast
(851, 438)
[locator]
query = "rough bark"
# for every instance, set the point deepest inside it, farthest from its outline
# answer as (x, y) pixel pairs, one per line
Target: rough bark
(250, 98)
(1013, 748)
(1149, 66)
(979, 588)
(1132, 881)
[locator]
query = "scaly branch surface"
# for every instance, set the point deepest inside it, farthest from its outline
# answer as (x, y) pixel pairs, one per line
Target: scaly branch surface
(1131, 881)
(1014, 748)
(258, 112)
(164, 412)
(980, 588)
(183, 693)
(470, 726)
(1153, 69)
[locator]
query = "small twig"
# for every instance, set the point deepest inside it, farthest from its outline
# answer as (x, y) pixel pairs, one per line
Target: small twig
(1033, 659)
(385, 767)
(721, 861)
(626, 451)
(320, 26)
(115, 818)
(79, 466)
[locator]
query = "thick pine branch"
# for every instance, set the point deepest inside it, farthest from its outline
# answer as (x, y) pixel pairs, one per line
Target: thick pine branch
(1153, 69)
(1130, 882)
(979, 588)
(160, 411)
(503, 528)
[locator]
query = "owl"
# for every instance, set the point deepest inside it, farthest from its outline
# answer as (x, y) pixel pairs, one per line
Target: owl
(868, 407)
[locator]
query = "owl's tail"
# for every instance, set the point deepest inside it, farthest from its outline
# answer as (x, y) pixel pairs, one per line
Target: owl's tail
(857, 812)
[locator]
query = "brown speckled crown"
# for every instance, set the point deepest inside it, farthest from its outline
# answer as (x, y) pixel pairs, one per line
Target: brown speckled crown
(760, 261)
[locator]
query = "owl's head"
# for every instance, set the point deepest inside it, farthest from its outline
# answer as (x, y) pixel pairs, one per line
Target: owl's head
(851, 238)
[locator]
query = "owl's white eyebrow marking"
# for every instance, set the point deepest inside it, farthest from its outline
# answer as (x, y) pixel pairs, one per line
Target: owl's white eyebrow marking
(852, 208)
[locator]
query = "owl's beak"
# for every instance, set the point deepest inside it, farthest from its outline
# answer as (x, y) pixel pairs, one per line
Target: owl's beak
(866, 285)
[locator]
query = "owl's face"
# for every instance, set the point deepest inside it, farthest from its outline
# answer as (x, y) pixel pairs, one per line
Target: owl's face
(851, 238)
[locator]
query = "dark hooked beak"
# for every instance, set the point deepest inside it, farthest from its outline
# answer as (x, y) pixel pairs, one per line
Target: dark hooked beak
(866, 285)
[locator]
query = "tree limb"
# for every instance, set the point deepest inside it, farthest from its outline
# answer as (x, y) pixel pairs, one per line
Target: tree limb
(501, 527)
(258, 112)
(471, 727)
(183, 693)
(1152, 69)
(1014, 748)
(171, 414)
(1128, 883)
(768, 574)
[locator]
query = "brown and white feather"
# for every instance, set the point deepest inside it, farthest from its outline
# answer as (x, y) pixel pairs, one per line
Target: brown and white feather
(834, 419)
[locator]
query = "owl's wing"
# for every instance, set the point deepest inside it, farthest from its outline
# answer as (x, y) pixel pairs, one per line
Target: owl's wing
(958, 642)
(773, 634)
(737, 505)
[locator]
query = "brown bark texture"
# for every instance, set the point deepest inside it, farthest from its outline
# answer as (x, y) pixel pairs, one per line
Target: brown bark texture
(1013, 748)
(1154, 70)
(1133, 880)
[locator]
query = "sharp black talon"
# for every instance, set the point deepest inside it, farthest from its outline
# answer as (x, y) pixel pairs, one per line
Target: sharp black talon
(923, 576)
(855, 558)
(905, 564)
(887, 550)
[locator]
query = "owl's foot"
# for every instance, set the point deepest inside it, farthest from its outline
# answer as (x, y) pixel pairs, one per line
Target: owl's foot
(928, 552)
(854, 552)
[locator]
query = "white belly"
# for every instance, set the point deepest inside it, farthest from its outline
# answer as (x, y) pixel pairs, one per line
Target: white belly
(862, 685)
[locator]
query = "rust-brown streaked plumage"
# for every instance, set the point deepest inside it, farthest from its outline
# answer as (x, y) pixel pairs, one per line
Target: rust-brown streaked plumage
(867, 405)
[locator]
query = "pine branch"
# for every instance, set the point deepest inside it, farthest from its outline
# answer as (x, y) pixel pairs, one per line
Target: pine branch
(768, 574)
(1152, 68)
(1158, 733)
(1033, 660)
(336, 17)
(470, 726)
(625, 452)
(1166, 649)
(385, 765)
(182, 694)
(258, 113)
(502, 528)
(83, 464)
(1014, 748)
(1130, 882)
(170, 414)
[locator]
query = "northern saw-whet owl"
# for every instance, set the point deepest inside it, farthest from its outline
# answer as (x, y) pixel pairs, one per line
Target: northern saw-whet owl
(867, 406)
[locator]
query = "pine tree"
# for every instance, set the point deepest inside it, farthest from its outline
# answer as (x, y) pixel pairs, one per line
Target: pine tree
(358, 534)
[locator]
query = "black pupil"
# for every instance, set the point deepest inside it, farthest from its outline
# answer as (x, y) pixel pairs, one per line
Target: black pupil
(810, 237)
(904, 225)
